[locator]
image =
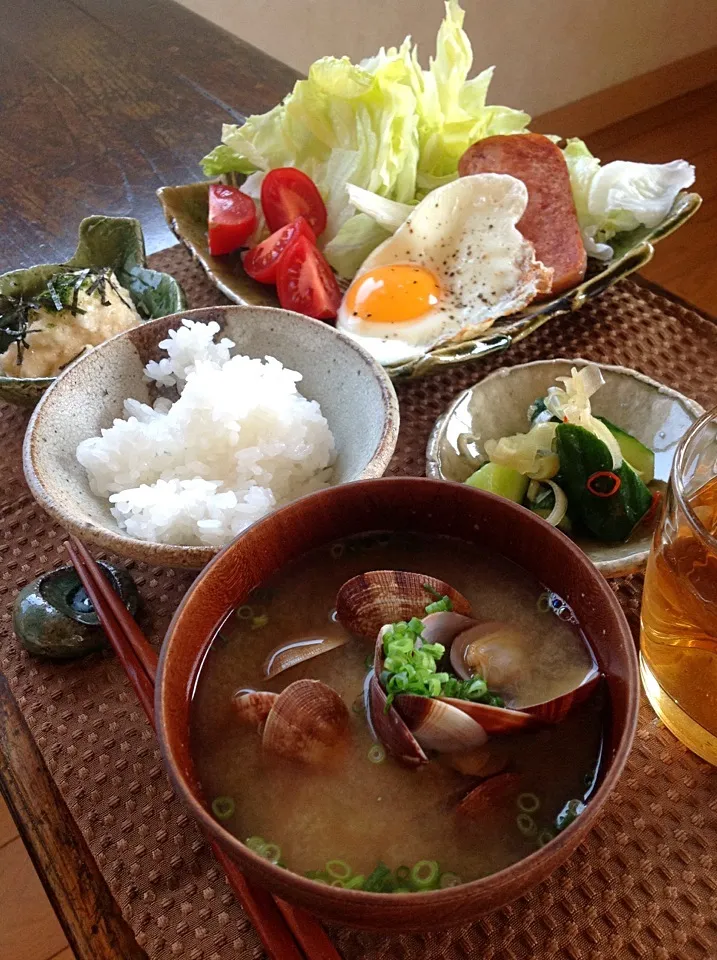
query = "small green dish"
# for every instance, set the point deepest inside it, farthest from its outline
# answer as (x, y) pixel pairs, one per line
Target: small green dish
(186, 209)
(115, 242)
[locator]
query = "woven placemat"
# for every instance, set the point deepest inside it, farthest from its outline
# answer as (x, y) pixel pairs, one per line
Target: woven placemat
(644, 884)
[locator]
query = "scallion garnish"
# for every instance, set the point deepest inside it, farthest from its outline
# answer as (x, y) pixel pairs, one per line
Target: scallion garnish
(443, 605)
(338, 869)
(425, 874)
(223, 808)
(411, 666)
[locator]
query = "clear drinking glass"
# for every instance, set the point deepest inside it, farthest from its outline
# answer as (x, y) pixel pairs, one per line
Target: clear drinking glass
(678, 642)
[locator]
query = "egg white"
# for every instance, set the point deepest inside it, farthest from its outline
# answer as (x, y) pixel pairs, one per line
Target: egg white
(465, 233)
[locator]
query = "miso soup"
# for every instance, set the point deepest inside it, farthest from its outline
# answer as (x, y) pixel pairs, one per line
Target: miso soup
(364, 815)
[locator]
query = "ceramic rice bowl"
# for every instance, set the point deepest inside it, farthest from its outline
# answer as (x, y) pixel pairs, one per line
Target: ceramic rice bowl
(354, 393)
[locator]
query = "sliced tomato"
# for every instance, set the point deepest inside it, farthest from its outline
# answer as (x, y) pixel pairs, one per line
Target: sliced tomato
(287, 193)
(306, 283)
(232, 219)
(261, 261)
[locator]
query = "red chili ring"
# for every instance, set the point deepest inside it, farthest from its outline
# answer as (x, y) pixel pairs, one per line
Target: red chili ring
(652, 509)
(617, 483)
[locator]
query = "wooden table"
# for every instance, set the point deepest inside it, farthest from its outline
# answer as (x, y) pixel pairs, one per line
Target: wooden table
(101, 103)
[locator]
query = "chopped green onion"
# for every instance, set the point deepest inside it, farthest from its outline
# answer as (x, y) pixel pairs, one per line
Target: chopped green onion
(545, 836)
(410, 667)
(271, 851)
(368, 662)
(256, 844)
(430, 590)
(449, 880)
(245, 612)
(526, 824)
(443, 605)
(493, 700)
(337, 550)
(380, 881)
(358, 706)
(338, 869)
(337, 883)
(258, 622)
(355, 883)
(376, 753)
(403, 873)
(223, 808)
(425, 874)
(528, 802)
(403, 890)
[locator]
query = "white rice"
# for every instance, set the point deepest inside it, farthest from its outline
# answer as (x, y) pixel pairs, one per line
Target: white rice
(238, 442)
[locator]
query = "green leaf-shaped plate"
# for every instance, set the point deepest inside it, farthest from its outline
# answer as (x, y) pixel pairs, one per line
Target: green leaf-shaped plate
(115, 242)
(186, 209)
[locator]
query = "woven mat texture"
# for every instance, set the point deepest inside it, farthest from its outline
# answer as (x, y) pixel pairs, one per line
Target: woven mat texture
(643, 885)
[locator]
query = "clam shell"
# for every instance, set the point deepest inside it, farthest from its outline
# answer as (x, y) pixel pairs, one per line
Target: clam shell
(488, 796)
(495, 720)
(297, 651)
(252, 706)
(438, 725)
(481, 762)
(504, 653)
(367, 602)
(553, 711)
(389, 728)
(308, 722)
(444, 627)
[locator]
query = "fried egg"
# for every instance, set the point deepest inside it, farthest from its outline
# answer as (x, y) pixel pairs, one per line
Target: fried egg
(450, 270)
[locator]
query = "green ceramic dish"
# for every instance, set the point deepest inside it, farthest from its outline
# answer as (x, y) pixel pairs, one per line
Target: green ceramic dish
(115, 242)
(186, 209)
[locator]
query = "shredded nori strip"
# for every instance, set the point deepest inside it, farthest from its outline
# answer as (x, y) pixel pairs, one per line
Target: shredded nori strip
(15, 321)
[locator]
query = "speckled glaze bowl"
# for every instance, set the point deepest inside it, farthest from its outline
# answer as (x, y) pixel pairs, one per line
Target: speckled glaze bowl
(426, 506)
(497, 407)
(355, 395)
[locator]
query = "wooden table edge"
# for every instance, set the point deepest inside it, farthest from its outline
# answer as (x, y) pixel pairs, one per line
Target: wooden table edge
(87, 910)
(88, 913)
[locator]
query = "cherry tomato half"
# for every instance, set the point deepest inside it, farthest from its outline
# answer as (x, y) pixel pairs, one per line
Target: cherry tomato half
(261, 261)
(306, 283)
(287, 193)
(232, 219)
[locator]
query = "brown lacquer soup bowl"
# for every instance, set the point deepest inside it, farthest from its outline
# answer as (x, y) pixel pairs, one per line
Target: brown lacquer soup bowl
(422, 506)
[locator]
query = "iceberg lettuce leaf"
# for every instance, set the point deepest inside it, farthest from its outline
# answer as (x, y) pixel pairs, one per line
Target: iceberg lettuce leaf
(385, 125)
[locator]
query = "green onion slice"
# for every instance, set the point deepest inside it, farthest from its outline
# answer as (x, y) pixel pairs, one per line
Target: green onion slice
(271, 852)
(449, 880)
(526, 824)
(425, 874)
(528, 802)
(545, 836)
(338, 869)
(256, 844)
(223, 808)
(377, 754)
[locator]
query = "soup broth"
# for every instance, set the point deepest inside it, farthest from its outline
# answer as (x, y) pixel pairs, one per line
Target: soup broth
(365, 812)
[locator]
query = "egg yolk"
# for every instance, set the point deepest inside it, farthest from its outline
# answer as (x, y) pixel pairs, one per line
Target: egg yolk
(393, 294)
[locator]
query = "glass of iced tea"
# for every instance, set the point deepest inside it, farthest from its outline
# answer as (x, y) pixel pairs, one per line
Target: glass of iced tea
(678, 642)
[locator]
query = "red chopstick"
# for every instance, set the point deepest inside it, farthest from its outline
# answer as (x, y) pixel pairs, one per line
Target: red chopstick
(275, 921)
